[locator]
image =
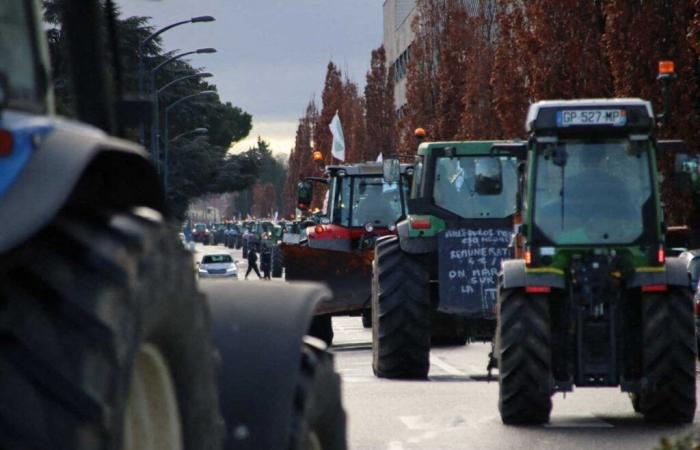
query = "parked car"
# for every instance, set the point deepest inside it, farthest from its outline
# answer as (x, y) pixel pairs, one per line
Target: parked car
(219, 265)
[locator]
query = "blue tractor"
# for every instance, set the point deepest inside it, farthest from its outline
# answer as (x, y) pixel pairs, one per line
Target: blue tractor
(106, 342)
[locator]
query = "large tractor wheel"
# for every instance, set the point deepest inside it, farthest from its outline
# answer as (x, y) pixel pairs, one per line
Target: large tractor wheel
(523, 351)
(105, 339)
(277, 262)
(322, 328)
(400, 313)
(669, 352)
(319, 414)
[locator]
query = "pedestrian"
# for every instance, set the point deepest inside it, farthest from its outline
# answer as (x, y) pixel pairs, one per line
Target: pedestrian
(252, 262)
(265, 262)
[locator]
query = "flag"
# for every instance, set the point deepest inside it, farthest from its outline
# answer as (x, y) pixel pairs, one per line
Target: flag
(338, 150)
(380, 158)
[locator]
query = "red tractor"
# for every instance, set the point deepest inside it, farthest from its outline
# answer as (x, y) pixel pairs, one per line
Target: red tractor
(362, 204)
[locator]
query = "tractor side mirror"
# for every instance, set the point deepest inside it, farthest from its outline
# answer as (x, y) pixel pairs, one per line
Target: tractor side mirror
(391, 169)
(686, 172)
(488, 176)
(304, 195)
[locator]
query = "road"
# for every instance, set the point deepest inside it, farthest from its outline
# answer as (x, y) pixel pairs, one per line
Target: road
(457, 407)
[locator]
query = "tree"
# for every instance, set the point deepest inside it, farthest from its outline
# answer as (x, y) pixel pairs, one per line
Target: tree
(380, 114)
(198, 166)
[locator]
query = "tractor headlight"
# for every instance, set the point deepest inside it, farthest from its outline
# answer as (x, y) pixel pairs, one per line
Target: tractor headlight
(369, 227)
(392, 227)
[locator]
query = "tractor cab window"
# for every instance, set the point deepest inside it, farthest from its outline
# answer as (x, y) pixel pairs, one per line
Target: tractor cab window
(592, 192)
(456, 187)
(417, 178)
(19, 56)
(359, 200)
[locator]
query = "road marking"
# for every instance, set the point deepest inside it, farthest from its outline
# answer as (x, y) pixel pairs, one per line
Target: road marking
(575, 421)
(446, 367)
(432, 423)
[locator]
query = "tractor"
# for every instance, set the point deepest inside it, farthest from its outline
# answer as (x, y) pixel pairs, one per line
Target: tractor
(107, 342)
(434, 282)
(593, 299)
(362, 206)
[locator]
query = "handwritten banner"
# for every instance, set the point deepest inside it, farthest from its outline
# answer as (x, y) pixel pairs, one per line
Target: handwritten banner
(470, 259)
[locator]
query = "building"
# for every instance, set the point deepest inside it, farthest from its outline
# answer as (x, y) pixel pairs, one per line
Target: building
(398, 36)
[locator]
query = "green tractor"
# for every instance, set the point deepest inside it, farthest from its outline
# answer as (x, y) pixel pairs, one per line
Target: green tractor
(593, 300)
(435, 281)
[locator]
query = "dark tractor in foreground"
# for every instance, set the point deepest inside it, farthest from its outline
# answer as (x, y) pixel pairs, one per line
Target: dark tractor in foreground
(107, 343)
(435, 281)
(362, 206)
(593, 300)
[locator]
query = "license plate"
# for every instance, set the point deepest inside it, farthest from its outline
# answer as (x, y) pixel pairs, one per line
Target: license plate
(578, 117)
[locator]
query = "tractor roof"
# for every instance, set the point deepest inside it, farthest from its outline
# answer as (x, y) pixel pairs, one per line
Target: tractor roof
(366, 168)
(622, 114)
(461, 147)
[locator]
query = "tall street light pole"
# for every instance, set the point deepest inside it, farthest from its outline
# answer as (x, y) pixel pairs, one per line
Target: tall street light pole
(166, 142)
(155, 125)
(142, 45)
(155, 122)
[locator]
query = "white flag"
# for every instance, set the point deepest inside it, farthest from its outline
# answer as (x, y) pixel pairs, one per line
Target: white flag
(380, 158)
(338, 150)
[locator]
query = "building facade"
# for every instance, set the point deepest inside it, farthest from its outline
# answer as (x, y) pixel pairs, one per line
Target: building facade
(398, 36)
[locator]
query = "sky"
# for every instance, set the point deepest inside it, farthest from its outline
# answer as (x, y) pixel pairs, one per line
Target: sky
(272, 54)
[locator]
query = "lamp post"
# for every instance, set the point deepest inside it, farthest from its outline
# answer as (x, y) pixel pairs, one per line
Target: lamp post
(155, 125)
(142, 44)
(166, 142)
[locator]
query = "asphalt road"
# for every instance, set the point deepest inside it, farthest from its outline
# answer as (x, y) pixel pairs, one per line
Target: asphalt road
(457, 407)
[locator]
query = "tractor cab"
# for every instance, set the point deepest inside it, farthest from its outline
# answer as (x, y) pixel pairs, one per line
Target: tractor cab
(362, 205)
(592, 176)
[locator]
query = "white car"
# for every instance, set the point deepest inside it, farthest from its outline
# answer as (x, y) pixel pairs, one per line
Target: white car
(217, 265)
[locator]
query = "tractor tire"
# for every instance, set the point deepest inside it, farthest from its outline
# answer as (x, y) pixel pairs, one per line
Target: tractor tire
(367, 318)
(319, 416)
(105, 339)
(277, 262)
(668, 343)
(523, 351)
(400, 313)
(322, 328)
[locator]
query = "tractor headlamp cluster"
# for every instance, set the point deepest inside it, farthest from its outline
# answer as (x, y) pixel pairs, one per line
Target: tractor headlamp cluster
(369, 227)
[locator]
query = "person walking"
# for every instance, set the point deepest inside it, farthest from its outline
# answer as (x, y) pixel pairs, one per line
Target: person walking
(252, 262)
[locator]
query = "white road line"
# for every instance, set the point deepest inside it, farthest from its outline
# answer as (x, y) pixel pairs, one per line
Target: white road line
(448, 368)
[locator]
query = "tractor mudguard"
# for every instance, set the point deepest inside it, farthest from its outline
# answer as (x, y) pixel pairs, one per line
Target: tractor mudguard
(258, 331)
(515, 274)
(414, 245)
(75, 164)
(676, 274)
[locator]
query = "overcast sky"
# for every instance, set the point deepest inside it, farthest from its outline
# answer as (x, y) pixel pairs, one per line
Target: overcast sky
(272, 54)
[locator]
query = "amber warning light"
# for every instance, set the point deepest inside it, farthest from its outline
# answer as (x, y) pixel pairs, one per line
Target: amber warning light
(318, 156)
(666, 68)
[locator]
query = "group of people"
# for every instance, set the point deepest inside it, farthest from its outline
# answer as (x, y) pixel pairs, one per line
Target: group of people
(265, 264)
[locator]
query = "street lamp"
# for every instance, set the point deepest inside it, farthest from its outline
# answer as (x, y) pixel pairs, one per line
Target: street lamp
(142, 44)
(166, 142)
(196, 131)
(155, 125)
